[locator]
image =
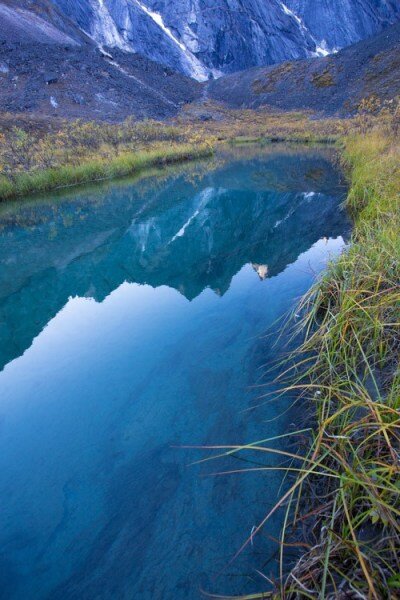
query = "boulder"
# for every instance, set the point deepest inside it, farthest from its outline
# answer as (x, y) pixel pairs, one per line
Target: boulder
(50, 78)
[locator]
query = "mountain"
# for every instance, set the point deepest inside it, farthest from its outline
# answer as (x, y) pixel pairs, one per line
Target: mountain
(50, 68)
(204, 38)
(331, 85)
(110, 59)
(340, 23)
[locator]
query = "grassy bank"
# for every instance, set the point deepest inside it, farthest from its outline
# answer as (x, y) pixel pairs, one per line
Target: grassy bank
(349, 365)
(40, 157)
(342, 503)
(86, 152)
(219, 123)
(127, 163)
(344, 482)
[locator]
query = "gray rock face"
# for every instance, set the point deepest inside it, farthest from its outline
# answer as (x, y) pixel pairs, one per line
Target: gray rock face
(204, 38)
(20, 25)
(340, 23)
(328, 85)
(201, 38)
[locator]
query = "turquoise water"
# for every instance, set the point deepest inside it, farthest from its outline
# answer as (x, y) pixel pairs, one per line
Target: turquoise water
(132, 323)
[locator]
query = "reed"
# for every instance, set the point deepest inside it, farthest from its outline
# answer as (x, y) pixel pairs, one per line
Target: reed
(348, 367)
(98, 169)
(344, 479)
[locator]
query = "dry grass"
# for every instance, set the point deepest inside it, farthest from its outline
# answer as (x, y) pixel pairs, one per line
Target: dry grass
(266, 124)
(349, 371)
(343, 496)
(323, 79)
(80, 152)
(36, 159)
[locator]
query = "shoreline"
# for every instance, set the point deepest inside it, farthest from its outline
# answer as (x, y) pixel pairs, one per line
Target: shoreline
(345, 371)
(349, 377)
(69, 176)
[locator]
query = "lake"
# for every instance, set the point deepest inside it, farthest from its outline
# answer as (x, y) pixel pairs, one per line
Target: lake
(138, 318)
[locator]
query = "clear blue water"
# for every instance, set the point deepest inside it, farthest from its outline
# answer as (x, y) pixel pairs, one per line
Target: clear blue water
(132, 322)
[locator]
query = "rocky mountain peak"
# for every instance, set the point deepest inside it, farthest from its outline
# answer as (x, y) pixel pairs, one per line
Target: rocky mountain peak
(204, 38)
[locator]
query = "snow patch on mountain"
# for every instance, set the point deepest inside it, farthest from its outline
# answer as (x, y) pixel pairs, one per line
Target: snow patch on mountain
(198, 70)
(201, 38)
(104, 30)
(321, 47)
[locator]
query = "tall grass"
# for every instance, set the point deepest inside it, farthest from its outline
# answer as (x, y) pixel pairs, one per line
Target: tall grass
(126, 163)
(344, 480)
(346, 369)
(350, 372)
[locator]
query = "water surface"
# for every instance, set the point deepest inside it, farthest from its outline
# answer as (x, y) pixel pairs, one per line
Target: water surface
(132, 322)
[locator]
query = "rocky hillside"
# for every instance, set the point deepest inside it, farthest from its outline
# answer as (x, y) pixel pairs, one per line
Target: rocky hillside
(335, 84)
(49, 68)
(204, 38)
(90, 59)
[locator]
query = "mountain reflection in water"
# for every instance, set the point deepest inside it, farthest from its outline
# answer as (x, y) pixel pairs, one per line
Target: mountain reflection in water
(132, 322)
(188, 236)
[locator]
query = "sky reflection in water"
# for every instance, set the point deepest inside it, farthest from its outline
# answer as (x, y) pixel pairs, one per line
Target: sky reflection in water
(132, 321)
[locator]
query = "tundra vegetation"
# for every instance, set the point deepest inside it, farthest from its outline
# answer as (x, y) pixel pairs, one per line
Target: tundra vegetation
(34, 158)
(343, 479)
(348, 370)
(342, 501)
(81, 152)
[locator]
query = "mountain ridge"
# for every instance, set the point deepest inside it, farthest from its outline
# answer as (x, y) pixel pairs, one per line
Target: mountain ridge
(334, 85)
(51, 68)
(205, 39)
